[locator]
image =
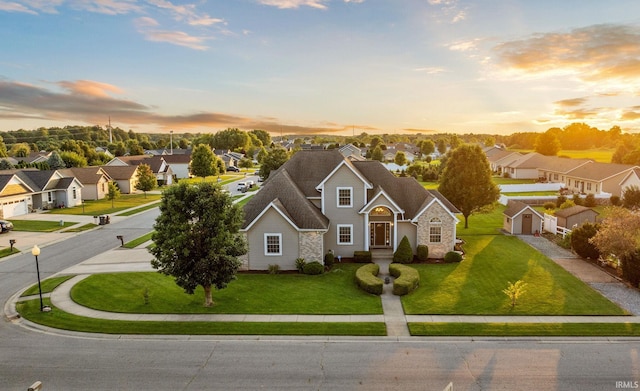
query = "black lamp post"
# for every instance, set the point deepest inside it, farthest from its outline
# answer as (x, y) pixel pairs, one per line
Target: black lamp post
(36, 251)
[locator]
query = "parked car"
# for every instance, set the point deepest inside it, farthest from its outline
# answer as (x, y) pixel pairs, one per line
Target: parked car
(5, 226)
(233, 169)
(250, 184)
(242, 187)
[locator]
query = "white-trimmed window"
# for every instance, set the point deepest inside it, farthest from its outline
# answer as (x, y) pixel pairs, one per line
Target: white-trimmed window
(75, 194)
(435, 230)
(345, 197)
(272, 244)
(345, 233)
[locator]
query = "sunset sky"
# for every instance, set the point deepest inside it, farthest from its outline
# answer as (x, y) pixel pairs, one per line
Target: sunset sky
(320, 66)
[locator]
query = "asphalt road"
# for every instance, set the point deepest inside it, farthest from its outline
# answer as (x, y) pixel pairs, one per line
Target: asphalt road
(88, 362)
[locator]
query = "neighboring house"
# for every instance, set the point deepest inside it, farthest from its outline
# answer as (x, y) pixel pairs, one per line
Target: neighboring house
(320, 201)
(498, 158)
(575, 216)
(555, 169)
(179, 164)
(125, 176)
(52, 189)
(131, 160)
(15, 196)
(228, 159)
(162, 170)
(350, 150)
(597, 178)
(35, 157)
(521, 219)
(526, 166)
(93, 179)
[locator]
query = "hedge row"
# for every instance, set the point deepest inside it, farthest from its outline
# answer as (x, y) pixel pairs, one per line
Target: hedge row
(367, 280)
(406, 278)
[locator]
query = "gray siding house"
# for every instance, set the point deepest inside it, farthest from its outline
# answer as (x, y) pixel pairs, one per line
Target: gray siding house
(521, 219)
(320, 201)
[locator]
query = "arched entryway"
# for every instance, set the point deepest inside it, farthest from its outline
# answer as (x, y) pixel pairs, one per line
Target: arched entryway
(381, 227)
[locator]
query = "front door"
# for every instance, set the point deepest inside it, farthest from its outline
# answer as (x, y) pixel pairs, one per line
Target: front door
(380, 234)
(526, 224)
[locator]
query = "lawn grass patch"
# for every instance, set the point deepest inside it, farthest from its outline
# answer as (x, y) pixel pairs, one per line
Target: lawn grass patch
(138, 241)
(488, 222)
(40, 225)
(331, 293)
(103, 207)
(5, 252)
(81, 228)
(138, 210)
(242, 202)
(474, 286)
(525, 329)
(47, 285)
(59, 319)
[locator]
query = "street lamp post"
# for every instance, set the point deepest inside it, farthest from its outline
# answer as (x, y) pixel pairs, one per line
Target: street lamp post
(36, 251)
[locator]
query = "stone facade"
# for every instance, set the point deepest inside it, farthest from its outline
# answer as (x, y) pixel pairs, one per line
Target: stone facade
(437, 250)
(310, 246)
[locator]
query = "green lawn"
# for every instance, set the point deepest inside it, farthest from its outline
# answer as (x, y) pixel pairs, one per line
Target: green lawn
(525, 329)
(5, 252)
(40, 225)
(140, 209)
(82, 228)
(138, 241)
(103, 207)
(483, 223)
(62, 320)
(603, 155)
(47, 285)
(332, 293)
(474, 286)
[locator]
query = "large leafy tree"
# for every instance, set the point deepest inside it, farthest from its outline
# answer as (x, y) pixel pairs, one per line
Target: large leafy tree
(146, 179)
(377, 154)
(547, 144)
(272, 161)
(400, 158)
(203, 161)
(466, 180)
(55, 161)
(233, 139)
(196, 237)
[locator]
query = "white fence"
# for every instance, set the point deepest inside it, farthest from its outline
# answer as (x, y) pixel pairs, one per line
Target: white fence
(550, 224)
(529, 187)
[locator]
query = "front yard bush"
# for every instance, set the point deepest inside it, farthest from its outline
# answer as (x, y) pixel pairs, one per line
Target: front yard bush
(300, 262)
(329, 260)
(362, 256)
(452, 257)
(313, 268)
(423, 252)
(580, 241)
(407, 279)
(367, 280)
(404, 252)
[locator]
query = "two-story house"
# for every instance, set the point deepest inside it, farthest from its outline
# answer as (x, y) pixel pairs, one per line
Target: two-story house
(320, 201)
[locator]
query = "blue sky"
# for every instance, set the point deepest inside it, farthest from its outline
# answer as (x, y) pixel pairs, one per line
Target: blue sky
(320, 66)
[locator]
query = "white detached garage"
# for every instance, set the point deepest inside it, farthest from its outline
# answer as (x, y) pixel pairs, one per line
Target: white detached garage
(15, 196)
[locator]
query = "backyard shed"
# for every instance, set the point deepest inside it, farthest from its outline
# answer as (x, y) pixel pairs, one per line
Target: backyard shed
(575, 216)
(521, 219)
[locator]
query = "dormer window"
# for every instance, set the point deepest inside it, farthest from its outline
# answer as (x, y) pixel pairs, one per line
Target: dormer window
(345, 197)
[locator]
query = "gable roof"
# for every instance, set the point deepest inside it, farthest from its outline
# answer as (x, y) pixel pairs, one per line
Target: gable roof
(177, 159)
(572, 211)
(120, 172)
(597, 171)
(308, 168)
(514, 208)
(282, 193)
(530, 160)
(86, 175)
(562, 164)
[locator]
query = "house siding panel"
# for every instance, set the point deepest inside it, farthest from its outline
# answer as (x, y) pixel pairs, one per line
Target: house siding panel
(272, 222)
(344, 177)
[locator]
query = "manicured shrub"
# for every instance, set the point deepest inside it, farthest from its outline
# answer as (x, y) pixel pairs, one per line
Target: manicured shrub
(560, 200)
(407, 279)
(567, 204)
(549, 205)
(577, 200)
(367, 280)
(404, 252)
(506, 175)
(590, 201)
(313, 268)
(300, 262)
(274, 269)
(452, 256)
(614, 200)
(580, 241)
(423, 252)
(328, 260)
(362, 256)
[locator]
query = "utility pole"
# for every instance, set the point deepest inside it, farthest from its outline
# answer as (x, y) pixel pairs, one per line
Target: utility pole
(110, 134)
(171, 141)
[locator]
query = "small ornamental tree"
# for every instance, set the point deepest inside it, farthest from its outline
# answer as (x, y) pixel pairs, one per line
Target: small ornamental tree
(580, 241)
(404, 252)
(146, 179)
(113, 192)
(196, 237)
(514, 291)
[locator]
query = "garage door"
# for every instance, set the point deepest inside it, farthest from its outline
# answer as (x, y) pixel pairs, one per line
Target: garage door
(14, 208)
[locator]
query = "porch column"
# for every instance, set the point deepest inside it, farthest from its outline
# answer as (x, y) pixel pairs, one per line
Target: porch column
(367, 234)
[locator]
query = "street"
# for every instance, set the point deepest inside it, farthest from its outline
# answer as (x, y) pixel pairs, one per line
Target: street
(70, 361)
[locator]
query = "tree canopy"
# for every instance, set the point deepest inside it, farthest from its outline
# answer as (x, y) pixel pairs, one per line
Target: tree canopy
(547, 144)
(466, 180)
(272, 161)
(196, 237)
(146, 179)
(203, 161)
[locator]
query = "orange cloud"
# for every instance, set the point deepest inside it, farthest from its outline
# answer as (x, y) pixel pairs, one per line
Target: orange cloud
(90, 88)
